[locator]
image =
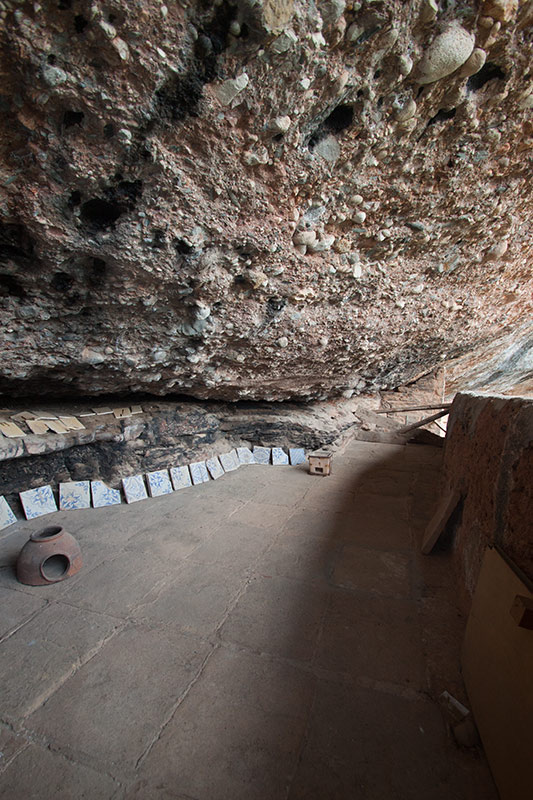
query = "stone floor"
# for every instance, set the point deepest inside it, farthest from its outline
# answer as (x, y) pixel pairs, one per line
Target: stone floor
(271, 635)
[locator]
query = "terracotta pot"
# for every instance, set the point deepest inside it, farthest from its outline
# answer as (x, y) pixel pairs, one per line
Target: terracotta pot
(49, 556)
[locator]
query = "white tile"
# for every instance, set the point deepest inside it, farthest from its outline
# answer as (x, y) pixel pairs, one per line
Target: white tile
(159, 483)
(214, 468)
(229, 461)
(279, 457)
(134, 488)
(74, 495)
(122, 412)
(245, 455)
(72, 423)
(37, 502)
(6, 514)
(38, 426)
(199, 472)
(103, 495)
(181, 477)
(262, 455)
(56, 426)
(11, 429)
(297, 456)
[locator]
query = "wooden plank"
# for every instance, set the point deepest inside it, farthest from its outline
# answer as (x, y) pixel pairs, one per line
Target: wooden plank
(436, 526)
(497, 662)
(396, 410)
(425, 421)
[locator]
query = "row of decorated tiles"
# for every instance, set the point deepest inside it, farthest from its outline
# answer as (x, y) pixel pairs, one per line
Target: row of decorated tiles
(78, 494)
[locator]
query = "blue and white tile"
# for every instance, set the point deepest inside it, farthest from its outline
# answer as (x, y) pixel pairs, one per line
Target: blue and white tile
(159, 483)
(279, 457)
(181, 477)
(74, 495)
(229, 461)
(6, 514)
(199, 473)
(245, 455)
(214, 467)
(37, 502)
(134, 488)
(103, 495)
(297, 456)
(262, 455)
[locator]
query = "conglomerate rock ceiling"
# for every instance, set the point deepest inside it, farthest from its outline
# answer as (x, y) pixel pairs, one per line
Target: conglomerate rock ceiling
(262, 200)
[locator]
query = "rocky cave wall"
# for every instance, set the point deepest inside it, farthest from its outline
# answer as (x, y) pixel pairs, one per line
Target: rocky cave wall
(261, 200)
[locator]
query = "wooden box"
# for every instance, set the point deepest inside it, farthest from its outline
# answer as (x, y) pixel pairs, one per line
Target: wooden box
(320, 463)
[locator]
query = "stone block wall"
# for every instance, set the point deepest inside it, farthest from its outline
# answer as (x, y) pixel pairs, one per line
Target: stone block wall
(488, 457)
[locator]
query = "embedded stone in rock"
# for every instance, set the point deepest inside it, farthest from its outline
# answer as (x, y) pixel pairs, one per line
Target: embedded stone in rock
(445, 54)
(474, 63)
(228, 91)
(276, 14)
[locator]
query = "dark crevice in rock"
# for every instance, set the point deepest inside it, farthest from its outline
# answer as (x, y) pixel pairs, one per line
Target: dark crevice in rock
(12, 287)
(442, 115)
(103, 212)
(15, 244)
(337, 121)
(180, 95)
(71, 118)
(488, 72)
(100, 213)
(80, 23)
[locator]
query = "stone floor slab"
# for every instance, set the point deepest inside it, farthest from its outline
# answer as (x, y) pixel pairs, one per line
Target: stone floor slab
(16, 608)
(196, 600)
(38, 774)
(373, 638)
(361, 745)
(237, 734)
(129, 690)
(366, 570)
(42, 654)
(278, 616)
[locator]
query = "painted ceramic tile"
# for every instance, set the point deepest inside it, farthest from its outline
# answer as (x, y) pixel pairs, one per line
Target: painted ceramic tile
(102, 410)
(214, 468)
(159, 483)
(297, 455)
(74, 495)
(103, 495)
(134, 488)
(136, 410)
(6, 515)
(245, 455)
(262, 455)
(181, 477)
(279, 457)
(37, 502)
(229, 461)
(199, 472)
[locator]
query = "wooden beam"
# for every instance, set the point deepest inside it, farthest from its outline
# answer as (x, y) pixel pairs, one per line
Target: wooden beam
(424, 421)
(411, 408)
(436, 526)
